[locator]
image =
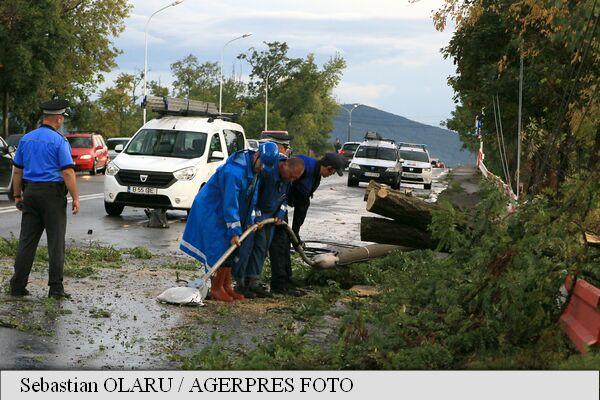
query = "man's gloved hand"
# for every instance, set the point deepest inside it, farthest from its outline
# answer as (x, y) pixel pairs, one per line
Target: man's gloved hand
(236, 240)
(278, 221)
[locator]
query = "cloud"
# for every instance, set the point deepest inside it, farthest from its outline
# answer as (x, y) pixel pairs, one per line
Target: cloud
(350, 92)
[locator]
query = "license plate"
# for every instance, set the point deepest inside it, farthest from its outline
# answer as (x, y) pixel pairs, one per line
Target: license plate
(372, 174)
(142, 190)
(409, 175)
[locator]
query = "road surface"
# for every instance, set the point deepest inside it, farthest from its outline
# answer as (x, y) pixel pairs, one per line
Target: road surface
(334, 215)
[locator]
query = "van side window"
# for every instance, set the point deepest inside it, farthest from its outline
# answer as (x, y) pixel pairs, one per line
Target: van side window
(234, 140)
(215, 145)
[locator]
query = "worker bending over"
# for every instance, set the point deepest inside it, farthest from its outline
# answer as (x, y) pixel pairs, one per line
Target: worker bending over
(222, 210)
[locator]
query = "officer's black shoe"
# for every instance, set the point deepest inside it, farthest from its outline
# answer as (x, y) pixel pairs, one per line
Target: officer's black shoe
(19, 292)
(59, 294)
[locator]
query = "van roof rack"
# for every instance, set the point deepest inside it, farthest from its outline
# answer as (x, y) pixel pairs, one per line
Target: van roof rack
(184, 107)
(376, 136)
(413, 145)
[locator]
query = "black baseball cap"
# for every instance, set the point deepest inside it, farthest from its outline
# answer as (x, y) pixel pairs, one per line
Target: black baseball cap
(335, 161)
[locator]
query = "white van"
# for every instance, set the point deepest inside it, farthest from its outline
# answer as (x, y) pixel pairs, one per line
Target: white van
(167, 162)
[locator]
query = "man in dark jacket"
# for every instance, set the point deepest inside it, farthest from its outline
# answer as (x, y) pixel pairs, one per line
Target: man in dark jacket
(301, 192)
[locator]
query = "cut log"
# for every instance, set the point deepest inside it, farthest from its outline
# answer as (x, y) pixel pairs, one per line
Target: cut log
(386, 231)
(372, 185)
(375, 185)
(407, 210)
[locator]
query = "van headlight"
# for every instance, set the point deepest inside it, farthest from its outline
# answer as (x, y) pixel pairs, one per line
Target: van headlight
(112, 169)
(426, 169)
(393, 169)
(354, 166)
(186, 174)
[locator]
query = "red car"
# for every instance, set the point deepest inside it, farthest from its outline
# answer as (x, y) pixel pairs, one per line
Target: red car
(89, 151)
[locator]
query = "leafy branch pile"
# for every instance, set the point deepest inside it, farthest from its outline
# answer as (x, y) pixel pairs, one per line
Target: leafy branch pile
(493, 302)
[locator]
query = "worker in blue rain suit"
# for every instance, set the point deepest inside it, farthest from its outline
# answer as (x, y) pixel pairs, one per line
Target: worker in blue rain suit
(221, 211)
(271, 203)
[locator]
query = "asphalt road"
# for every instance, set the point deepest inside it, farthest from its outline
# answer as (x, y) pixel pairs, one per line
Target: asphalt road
(334, 216)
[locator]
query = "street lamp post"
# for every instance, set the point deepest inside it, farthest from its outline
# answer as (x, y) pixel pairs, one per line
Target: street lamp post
(267, 93)
(245, 35)
(354, 107)
(146, 49)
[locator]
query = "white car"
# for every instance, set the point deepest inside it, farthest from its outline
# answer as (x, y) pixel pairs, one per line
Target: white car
(375, 159)
(416, 165)
(168, 160)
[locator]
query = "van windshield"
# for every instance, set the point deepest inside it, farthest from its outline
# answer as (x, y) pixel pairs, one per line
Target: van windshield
(379, 153)
(414, 156)
(168, 143)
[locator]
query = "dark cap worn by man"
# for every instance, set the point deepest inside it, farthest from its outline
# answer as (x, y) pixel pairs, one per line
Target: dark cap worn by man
(43, 170)
(334, 161)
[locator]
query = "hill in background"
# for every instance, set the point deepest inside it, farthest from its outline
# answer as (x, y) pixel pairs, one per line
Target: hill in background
(441, 143)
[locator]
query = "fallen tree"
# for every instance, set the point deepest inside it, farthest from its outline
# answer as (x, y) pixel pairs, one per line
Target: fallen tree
(387, 231)
(377, 186)
(404, 209)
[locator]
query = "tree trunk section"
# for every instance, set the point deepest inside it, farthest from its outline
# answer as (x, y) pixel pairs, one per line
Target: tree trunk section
(407, 210)
(376, 186)
(386, 231)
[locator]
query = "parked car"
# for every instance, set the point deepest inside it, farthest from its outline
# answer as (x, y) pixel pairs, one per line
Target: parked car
(416, 165)
(89, 151)
(168, 160)
(7, 153)
(13, 140)
(112, 144)
(347, 151)
(375, 159)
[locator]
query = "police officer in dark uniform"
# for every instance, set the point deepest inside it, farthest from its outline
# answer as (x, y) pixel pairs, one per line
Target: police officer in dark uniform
(43, 170)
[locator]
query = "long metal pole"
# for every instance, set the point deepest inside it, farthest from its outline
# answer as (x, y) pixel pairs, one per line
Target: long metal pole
(146, 51)
(245, 35)
(349, 123)
(519, 125)
(266, 101)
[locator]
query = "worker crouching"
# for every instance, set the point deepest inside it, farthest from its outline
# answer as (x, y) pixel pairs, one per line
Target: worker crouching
(221, 211)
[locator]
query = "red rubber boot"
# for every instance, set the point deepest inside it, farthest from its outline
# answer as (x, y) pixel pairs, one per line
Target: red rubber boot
(228, 286)
(217, 292)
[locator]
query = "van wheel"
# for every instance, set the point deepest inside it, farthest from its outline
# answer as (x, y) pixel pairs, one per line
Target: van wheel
(427, 186)
(114, 210)
(396, 185)
(352, 182)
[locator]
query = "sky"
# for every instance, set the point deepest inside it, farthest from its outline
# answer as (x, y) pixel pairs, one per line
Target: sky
(391, 47)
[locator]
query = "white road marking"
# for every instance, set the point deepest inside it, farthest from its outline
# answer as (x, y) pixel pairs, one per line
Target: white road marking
(5, 210)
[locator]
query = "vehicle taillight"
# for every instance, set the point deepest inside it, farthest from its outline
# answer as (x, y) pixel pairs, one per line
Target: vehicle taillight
(342, 152)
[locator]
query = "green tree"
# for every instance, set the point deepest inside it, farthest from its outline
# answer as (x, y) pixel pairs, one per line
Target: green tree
(560, 47)
(54, 47)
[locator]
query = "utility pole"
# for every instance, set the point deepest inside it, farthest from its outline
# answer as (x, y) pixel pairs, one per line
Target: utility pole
(146, 50)
(519, 125)
(354, 107)
(245, 35)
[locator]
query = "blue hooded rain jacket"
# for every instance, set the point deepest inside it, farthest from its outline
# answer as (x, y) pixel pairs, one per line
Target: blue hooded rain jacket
(220, 208)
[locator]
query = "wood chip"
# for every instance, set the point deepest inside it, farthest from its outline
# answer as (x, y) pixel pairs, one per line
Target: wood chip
(365, 291)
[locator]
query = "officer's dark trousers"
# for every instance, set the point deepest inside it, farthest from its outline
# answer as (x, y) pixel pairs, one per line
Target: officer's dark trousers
(281, 263)
(44, 207)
